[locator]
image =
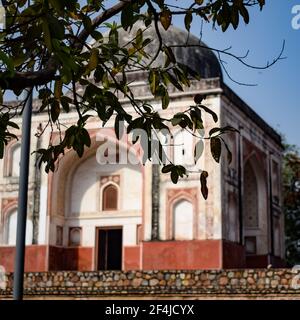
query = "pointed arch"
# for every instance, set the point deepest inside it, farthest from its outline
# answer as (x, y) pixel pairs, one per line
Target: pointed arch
(255, 204)
(12, 159)
(183, 220)
(11, 229)
(182, 209)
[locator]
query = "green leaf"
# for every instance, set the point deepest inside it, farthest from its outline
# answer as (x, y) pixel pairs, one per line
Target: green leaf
(174, 176)
(97, 35)
(166, 18)
(172, 80)
(65, 102)
(87, 23)
(196, 117)
(58, 89)
(85, 137)
(165, 100)
(57, 5)
(168, 51)
(167, 168)
(93, 61)
(212, 113)
(44, 93)
(153, 81)
(118, 130)
(188, 20)
(225, 129)
(229, 153)
(198, 150)
(199, 98)
(127, 17)
(216, 148)
(181, 170)
(229, 129)
(139, 38)
(19, 60)
(203, 181)
(244, 13)
(214, 130)
(55, 110)
(13, 125)
(99, 73)
(1, 149)
(135, 124)
(56, 27)
(47, 35)
(7, 61)
(234, 16)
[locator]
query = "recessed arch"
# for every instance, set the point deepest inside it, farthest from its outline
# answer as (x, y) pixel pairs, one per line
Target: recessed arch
(183, 220)
(255, 201)
(12, 159)
(60, 181)
(110, 197)
(11, 228)
(174, 197)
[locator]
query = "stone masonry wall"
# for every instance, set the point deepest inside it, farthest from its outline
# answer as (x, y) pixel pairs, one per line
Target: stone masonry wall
(261, 282)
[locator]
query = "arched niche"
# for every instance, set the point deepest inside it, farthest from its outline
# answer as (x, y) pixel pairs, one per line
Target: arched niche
(75, 186)
(255, 202)
(183, 220)
(11, 229)
(110, 197)
(15, 160)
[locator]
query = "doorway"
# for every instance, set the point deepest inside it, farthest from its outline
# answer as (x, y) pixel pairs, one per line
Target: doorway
(109, 249)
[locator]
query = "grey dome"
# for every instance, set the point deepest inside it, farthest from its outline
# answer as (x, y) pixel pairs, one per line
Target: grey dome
(199, 59)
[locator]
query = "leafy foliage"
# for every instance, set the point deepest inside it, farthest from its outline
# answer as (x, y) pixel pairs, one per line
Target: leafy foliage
(291, 180)
(47, 46)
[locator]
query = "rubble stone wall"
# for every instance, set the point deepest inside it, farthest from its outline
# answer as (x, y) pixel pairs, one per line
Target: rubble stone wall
(244, 282)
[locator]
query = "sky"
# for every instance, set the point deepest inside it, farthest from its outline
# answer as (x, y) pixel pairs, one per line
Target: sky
(276, 97)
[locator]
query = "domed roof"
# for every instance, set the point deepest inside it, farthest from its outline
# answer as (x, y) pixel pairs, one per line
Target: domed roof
(198, 58)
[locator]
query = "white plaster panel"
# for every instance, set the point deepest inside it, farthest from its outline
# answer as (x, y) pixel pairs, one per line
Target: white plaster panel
(85, 190)
(183, 220)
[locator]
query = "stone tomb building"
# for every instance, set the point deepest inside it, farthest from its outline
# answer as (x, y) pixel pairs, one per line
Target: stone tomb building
(88, 216)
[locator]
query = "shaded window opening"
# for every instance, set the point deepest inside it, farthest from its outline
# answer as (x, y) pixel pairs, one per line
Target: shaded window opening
(110, 198)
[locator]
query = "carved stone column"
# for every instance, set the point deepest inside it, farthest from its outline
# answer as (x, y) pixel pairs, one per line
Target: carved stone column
(36, 195)
(155, 202)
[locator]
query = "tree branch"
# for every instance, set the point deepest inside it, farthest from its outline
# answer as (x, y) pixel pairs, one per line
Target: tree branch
(22, 80)
(107, 14)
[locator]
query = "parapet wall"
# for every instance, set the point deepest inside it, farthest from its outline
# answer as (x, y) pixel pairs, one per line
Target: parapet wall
(243, 282)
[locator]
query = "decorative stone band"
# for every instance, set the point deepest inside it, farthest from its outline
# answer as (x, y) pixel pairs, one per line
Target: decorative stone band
(240, 282)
